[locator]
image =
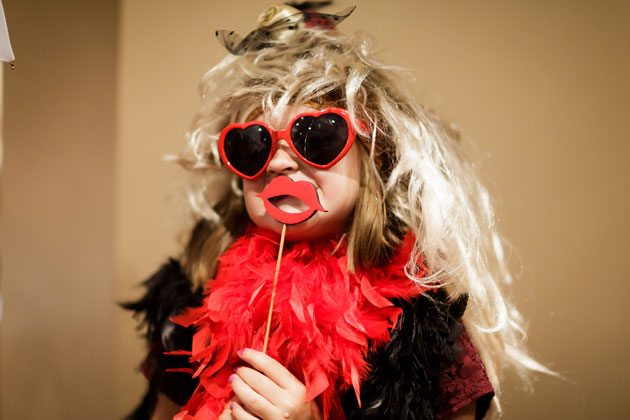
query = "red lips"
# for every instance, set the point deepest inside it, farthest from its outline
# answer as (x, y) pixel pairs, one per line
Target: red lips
(302, 190)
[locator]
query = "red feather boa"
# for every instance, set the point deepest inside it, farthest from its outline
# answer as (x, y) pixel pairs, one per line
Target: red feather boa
(325, 320)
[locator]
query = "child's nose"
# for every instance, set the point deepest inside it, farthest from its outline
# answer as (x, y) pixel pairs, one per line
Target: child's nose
(284, 160)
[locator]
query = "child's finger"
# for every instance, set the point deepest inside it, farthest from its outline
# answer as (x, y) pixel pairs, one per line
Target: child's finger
(262, 385)
(270, 368)
(250, 399)
(239, 413)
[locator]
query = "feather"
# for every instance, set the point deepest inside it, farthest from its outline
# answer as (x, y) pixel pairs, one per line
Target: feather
(325, 320)
(372, 295)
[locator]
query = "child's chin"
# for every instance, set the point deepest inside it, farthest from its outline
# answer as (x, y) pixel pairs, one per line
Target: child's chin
(309, 230)
(314, 228)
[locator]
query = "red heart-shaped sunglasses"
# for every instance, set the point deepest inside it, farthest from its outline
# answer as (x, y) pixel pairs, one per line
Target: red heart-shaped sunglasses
(319, 138)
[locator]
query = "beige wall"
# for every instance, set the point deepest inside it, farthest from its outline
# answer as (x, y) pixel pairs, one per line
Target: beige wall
(541, 89)
(57, 214)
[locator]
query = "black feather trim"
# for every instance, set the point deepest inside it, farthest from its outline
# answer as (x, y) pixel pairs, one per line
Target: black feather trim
(168, 293)
(403, 384)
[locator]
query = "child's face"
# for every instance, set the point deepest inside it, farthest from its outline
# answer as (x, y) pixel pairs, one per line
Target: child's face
(337, 188)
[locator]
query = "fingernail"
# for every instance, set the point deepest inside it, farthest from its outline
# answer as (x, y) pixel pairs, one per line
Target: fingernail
(232, 405)
(234, 369)
(240, 352)
(231, 378)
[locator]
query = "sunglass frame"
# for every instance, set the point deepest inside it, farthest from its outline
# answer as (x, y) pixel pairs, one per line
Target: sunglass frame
(285, 134)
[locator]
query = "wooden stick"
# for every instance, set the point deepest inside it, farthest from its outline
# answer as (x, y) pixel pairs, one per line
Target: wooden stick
(273, 290)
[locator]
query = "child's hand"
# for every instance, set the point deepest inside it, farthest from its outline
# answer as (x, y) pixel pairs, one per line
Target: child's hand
(268, 391)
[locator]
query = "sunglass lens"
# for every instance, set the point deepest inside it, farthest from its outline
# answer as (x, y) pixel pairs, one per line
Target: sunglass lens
(248, 149)
(320, 139)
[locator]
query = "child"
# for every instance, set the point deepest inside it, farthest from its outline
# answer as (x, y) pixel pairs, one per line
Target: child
(389, 289)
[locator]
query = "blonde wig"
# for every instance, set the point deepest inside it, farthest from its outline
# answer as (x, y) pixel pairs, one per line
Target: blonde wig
(414, 178)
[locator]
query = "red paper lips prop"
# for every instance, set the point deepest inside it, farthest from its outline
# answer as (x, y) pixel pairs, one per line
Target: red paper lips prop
(285, 186)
